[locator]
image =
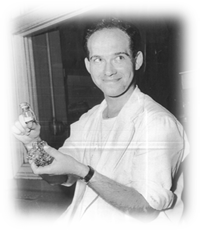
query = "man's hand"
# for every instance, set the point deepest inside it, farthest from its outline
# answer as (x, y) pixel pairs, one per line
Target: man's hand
(124, 198)
(24, 132)
(62, 165)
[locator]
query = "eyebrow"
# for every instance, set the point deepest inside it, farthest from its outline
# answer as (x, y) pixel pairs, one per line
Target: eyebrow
(118, 53)
(125, 53)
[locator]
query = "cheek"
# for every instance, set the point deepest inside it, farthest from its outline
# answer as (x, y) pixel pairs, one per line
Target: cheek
(95, 78)
(96, 73)
(127, 73)
(97, 69)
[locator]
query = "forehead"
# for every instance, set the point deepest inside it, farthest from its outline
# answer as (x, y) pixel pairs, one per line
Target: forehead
(108, 41)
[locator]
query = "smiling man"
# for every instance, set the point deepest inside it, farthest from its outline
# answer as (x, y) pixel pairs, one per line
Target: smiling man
(112, 66)
(124, 153)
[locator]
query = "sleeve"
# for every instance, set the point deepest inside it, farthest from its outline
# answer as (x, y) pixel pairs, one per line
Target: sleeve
(157, 158)
(72, 147)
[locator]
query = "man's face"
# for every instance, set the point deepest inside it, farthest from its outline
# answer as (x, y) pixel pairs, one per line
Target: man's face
(110, 62)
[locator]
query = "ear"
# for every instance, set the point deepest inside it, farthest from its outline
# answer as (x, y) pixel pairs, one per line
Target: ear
(87, 64)
(138, 60)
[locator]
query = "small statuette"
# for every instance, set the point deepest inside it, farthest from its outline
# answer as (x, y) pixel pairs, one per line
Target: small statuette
(39, 155)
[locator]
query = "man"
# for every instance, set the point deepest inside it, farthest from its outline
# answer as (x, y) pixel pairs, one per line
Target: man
(124, 153)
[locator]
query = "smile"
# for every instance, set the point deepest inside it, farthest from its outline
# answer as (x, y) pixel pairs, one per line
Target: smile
(111, 80)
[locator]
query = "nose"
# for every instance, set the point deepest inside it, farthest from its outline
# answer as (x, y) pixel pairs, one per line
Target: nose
(109, 69)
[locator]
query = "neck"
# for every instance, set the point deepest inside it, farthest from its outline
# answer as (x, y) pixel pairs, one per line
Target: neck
(115, 104)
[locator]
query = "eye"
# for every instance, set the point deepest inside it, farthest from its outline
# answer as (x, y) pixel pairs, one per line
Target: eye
(119, 58)
(96, 59)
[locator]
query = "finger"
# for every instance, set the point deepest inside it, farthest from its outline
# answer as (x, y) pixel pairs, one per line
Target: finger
(41, 169)
(19, 127)
(19, 130)
(30, 162)
(22, 121)
(15, 130)
(32, 125)
(34, 167)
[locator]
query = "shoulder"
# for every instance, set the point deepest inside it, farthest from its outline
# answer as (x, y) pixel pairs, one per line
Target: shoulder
(143, 105)
(154, 110)
(157, 119)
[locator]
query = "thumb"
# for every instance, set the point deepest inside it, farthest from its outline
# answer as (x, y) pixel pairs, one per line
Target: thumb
(31, 125)
(51, 151)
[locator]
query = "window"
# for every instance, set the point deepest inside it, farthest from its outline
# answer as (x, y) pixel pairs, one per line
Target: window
(24, 74)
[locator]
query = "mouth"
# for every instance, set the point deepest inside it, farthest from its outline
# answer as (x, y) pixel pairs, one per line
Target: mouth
(112, 80)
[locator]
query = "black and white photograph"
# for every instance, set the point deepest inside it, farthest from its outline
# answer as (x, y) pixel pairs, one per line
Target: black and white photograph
(99, 111)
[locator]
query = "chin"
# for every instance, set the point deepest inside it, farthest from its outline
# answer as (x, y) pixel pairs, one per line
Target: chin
(115, 95)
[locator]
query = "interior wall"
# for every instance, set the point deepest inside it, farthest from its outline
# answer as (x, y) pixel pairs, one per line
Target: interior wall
(82, 95)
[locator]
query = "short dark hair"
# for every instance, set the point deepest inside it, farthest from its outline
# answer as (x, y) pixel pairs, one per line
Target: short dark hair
(111, 23)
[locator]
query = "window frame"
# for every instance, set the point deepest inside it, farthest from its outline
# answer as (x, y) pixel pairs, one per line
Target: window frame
(18, 29)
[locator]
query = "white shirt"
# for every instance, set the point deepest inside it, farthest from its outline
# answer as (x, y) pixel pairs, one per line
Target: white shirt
(143, 150)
